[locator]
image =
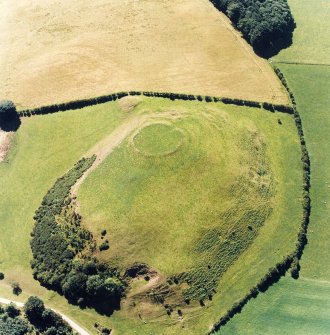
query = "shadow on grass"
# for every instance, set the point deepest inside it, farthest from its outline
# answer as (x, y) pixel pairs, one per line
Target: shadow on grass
(10, 122)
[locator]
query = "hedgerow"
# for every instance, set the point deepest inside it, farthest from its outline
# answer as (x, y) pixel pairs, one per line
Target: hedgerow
(72, 105)
(59, 244)
(291, 262)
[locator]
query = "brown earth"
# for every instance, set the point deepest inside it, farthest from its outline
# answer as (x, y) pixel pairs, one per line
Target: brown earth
(55, 51)
(5, 139)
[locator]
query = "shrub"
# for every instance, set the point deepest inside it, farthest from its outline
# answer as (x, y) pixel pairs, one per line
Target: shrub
(16, 288)
(12, 311)
(55, 248)
(2, 276)
(104, 246)
(34, 308)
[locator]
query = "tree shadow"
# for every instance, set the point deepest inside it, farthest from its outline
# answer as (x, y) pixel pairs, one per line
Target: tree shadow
(10, 122)
(101, 306)
(273, 47)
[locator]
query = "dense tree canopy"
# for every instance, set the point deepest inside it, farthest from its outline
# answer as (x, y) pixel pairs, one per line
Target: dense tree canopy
(57, 247)
(264, 23)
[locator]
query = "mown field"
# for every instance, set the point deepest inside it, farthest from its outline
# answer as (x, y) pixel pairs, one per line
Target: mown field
(64, 51)
(303, 306)
(47, 146)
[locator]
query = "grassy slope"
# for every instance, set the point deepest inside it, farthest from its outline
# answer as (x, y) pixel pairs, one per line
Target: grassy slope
(275, 240)
(53, 52)
(292, 314)
(45, 148)
(146, 202)
(302, 306)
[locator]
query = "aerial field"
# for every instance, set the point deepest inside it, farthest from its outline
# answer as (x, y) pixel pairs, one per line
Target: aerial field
(155, 211)
(55, 52)
(302, 306)
(45, 147)
(311, 36)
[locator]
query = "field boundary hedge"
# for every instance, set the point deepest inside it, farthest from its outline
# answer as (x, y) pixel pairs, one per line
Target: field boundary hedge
(300, 63)
(77, 104)
(291, 262)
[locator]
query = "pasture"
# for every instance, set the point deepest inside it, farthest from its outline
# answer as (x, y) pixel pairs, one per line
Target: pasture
(44, 148)
(63, 51)
(311, 36)
(47, 146)
(302, 306)
(156, 200)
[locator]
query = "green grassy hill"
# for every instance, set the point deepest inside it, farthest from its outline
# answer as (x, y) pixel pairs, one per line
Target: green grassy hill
(208, 151)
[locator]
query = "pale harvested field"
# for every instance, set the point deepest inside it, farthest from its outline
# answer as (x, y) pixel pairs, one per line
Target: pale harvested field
(54, 51)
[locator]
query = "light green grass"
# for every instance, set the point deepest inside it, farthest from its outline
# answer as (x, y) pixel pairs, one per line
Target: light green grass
(108, 202)
(47, 146)
(158, 139)
(311, 36)
(289, 308)
(302, 306)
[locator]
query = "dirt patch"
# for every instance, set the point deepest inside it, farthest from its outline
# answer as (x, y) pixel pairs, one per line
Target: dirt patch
(127, 104)
(5, 140)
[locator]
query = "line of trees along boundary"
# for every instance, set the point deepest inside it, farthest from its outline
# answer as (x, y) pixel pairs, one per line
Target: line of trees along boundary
(290, 262)
(78, 104)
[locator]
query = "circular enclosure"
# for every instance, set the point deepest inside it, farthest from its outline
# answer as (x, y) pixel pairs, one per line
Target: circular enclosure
(158, 139)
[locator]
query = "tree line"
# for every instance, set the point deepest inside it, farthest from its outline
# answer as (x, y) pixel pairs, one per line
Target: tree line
(62, 250)
(77, 104)
(266, 24)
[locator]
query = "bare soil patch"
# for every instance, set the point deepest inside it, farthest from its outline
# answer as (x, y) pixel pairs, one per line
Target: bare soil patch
(127, 104)
(65, 50)
(5, 139)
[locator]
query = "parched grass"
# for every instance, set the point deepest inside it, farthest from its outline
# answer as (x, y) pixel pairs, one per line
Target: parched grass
(302, 306)
(120, 45)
